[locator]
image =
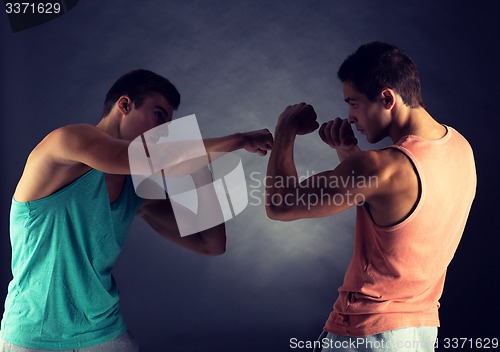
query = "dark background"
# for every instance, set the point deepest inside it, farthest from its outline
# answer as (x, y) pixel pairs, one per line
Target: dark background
(237, 65)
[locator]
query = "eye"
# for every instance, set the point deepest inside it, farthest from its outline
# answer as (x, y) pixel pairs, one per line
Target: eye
(160, 116)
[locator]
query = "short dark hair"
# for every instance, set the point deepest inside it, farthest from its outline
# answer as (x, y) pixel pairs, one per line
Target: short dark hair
(138, 85)
(376, 66)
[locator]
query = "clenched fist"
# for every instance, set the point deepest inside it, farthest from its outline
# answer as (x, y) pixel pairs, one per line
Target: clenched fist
(259, 141)
(301, 118)
(338, 134)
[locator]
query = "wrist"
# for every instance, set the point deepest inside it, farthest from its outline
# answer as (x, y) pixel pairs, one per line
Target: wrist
(284, 138)
(284, 126)
(345, 153)
(241, 140)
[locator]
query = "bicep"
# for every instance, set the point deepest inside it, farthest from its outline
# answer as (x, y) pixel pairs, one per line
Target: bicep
(315, 197)
(88, 145)
(353, 182)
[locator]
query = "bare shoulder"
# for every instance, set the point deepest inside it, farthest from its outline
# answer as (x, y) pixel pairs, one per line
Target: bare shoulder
(59, 144)
(45, 172)
(69, 138)
(57, 141)
(384, 162)
(395, 192)
(64, 155)
(392, 170)
(89, 145)
(73, 130)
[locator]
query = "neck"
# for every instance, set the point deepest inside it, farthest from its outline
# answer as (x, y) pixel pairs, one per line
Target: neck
(417, 122)
(111, 125)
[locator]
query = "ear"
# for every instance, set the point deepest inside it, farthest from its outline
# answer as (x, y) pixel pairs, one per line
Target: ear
(389, 98)
(124, 104)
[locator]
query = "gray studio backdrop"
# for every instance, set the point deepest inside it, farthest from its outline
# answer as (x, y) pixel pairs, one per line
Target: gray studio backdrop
(238, 64)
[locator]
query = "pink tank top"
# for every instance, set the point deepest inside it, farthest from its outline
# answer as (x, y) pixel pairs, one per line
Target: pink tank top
(396, 275)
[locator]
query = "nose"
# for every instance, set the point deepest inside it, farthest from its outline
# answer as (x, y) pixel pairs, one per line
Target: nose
(351, 119)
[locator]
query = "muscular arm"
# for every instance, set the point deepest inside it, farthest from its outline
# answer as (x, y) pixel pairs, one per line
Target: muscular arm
(89, 145)
(86, 144)
(324, 194)
(385, 180)
(68, 152)
(160, 215)
(259, 142)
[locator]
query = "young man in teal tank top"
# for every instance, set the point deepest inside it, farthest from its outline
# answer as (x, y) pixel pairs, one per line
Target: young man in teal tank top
(70, 215)
(412, 201)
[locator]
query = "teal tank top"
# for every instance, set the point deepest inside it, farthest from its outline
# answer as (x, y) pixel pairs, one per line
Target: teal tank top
(62, 295)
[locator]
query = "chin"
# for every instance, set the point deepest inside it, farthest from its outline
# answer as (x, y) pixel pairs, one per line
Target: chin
(373, 139)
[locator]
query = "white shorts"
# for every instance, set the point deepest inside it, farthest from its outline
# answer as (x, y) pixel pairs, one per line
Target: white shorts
(412, 339)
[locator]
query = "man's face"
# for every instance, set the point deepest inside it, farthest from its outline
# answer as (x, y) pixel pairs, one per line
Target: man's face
(370, 118)
(154, 111)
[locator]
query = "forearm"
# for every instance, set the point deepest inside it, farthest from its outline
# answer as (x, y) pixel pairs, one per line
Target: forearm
(209, 217)
(180, 158)
(282, 179)
(258, 141)
(209, 242)
(224, 144)
(281, 170)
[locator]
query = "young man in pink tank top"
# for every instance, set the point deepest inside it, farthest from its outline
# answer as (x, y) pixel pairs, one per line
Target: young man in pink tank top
(411, 206)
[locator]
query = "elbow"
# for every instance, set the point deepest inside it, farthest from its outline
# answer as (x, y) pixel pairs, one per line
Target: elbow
(282, 205)
(216, 245)
(280, 213)
(214, 252)
(217, 253)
